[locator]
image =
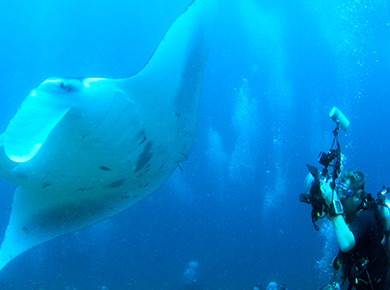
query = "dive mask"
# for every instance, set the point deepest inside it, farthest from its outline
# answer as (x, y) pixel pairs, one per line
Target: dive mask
(343, 191)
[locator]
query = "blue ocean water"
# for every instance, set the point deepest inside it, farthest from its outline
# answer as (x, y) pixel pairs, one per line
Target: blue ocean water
(275, 70)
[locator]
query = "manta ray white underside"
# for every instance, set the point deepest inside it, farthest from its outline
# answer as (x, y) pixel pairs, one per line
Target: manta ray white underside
(84, 149)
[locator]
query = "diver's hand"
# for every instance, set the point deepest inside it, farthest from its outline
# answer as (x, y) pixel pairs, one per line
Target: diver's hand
(326, 191)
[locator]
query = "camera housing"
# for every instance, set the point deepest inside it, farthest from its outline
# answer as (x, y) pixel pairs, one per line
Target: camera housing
(313, 196)
(319, 206)
(326, 158)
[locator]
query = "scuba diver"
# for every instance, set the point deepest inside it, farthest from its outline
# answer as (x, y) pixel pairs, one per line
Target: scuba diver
(360, 230)
(190, 282)
(270, 286)
(257, 287)
(361, 223)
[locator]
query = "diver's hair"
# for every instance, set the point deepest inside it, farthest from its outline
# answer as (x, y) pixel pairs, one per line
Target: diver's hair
(354, 179)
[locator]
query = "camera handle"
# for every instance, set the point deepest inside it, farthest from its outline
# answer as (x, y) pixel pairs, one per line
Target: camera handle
(337, 161)
(334, 156)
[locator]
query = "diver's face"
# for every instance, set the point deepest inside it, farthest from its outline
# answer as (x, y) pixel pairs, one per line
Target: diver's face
(343, 190)
(350, 204)
(347, 197)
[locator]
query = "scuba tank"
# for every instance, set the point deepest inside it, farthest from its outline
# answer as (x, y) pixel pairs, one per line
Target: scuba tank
(384, 211)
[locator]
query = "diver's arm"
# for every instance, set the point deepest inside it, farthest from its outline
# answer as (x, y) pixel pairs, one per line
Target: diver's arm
(344, 236)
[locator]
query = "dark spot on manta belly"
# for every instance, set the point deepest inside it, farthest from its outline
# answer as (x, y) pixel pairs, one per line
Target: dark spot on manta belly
(66, 216)
(144, 157)
(105, 168)
(116, 183)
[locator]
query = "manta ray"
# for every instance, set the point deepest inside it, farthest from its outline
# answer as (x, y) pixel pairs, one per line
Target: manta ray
(82, 150)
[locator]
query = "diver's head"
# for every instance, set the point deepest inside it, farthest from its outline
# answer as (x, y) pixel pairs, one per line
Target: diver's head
(272, 286)
(350, 189)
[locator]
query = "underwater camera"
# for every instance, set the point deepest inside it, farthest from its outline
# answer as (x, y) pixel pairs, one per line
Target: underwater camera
(313, 180)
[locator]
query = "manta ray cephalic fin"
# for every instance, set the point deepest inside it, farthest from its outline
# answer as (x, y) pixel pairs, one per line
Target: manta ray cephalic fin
(31, 125)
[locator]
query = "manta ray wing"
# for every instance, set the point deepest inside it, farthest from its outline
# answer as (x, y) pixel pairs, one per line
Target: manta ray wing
(84, 149)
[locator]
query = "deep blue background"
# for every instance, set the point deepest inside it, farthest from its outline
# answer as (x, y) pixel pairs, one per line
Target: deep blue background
(275, 70)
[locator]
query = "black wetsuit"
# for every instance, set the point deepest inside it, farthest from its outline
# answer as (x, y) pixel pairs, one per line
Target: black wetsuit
(366, 264)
